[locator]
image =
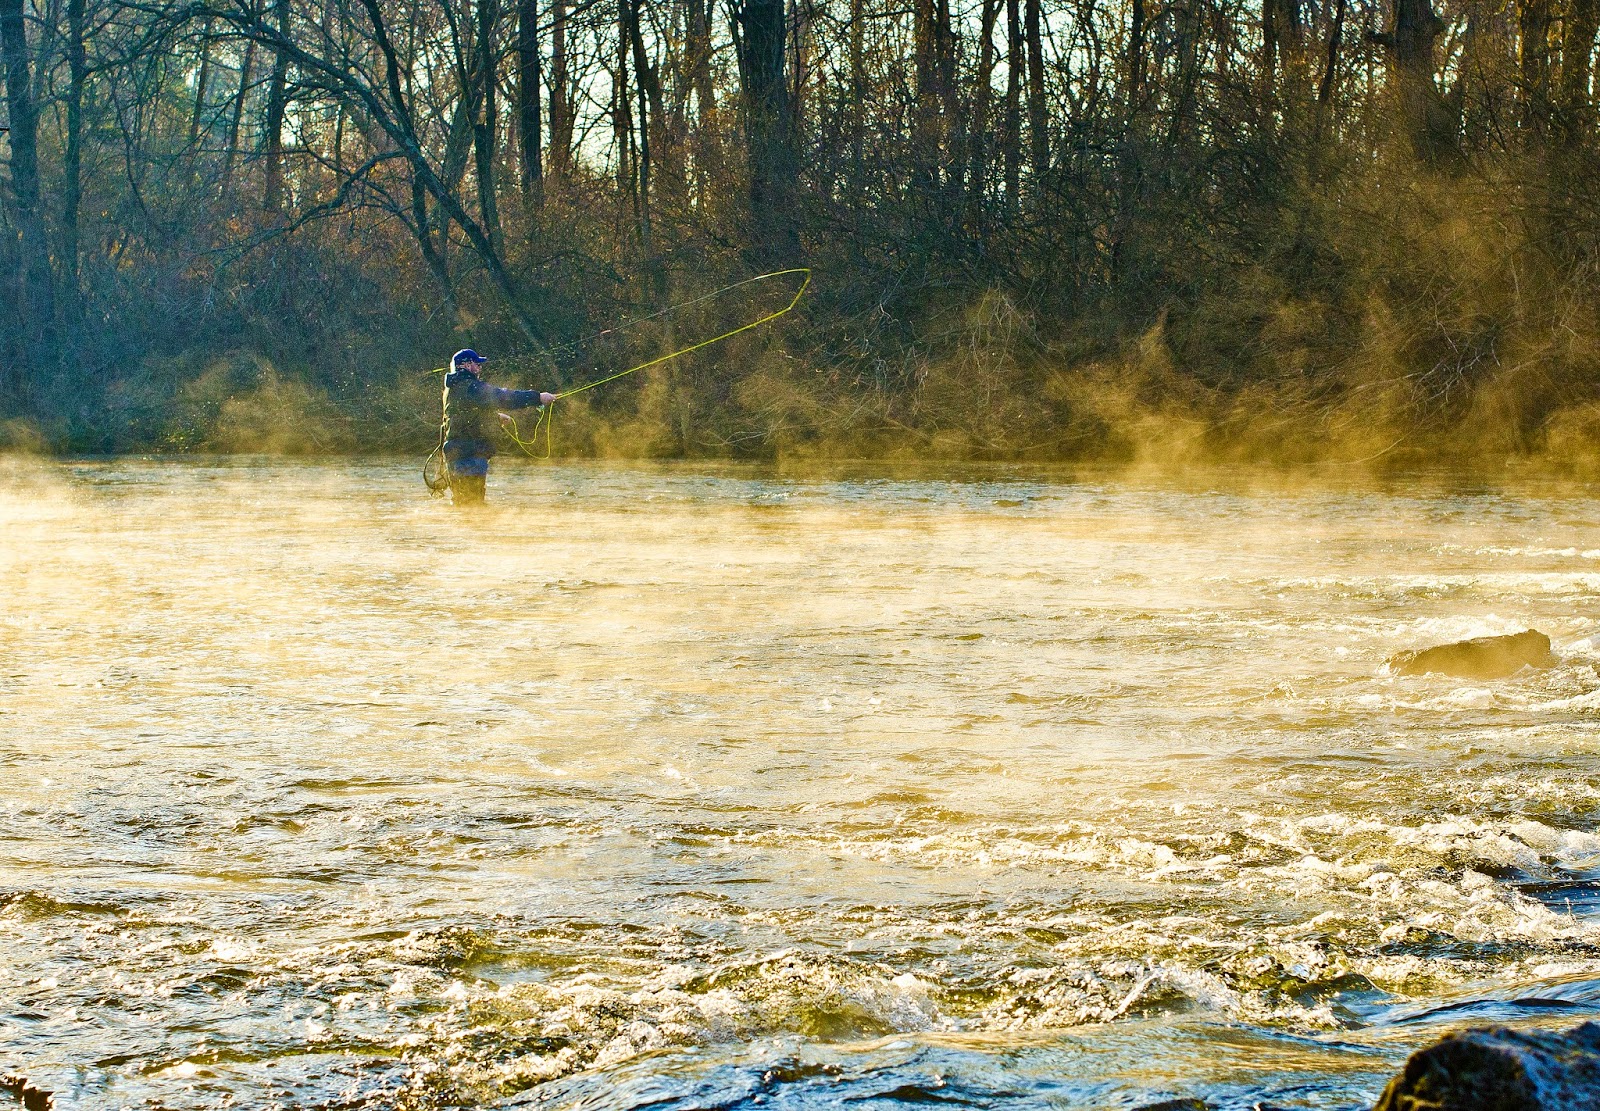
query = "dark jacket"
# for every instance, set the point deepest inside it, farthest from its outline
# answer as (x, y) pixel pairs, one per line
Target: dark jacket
(470, 404)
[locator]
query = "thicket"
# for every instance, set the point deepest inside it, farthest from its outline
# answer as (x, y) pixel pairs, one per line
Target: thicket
(1161, 230)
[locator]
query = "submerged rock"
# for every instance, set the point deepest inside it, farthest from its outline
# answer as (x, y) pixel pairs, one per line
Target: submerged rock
(1480, 658)
(26, 1094)
(1498, 1069)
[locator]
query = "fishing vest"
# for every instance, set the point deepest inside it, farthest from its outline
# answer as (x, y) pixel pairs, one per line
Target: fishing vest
(465, 416)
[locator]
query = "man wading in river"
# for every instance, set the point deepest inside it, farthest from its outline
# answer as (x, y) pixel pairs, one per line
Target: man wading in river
(469, 402)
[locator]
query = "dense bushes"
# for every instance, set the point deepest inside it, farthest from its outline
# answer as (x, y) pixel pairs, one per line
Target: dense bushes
(1162, 237)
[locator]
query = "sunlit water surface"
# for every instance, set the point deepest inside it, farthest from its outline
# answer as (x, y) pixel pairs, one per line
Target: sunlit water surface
(721, 788)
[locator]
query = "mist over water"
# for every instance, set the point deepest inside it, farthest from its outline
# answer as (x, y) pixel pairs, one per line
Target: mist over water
(690, 787)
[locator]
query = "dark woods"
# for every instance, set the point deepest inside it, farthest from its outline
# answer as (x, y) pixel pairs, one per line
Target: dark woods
(1159, 229)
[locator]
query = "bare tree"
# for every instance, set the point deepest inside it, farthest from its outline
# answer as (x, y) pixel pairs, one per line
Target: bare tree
(561, 111)
(1425, 119)
(72, 155)
(529, 79)
(38, 300)
(277, 96)
(1579, 25)
(769, 128)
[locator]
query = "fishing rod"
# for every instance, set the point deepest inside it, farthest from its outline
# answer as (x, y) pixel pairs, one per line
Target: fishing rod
(438, 481)
(573, 345)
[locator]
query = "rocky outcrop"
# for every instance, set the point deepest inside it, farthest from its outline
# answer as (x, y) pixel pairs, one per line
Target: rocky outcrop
(1481, 658)
(1498, 1069)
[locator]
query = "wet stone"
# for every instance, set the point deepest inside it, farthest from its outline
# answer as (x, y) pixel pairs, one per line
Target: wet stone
(26, 1095)
(1479, 658)
(1499, 1069)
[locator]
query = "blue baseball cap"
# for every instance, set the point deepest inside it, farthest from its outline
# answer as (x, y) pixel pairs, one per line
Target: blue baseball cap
(466, 355)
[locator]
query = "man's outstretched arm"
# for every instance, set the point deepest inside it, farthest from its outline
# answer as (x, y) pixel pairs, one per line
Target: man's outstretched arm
(501, 397)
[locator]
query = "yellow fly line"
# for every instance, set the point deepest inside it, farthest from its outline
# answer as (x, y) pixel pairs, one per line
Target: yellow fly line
(546, 419)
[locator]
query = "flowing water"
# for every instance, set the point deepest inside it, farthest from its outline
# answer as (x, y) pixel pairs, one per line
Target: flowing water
(686, 788)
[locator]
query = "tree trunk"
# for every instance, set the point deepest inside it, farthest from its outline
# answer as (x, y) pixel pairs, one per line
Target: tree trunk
(238, 113)
(650, 121)
(1425, 119)
(1186, 19)
(769, 129)
(925, 107)
(202, 82)
(1015, 66)
(1330, 68)
(978, 136)
(561, 118)
(696, 132)
(422, 228)
(277, 91)
(858, 96)
(338, 139)
(72, 155)
(1291, 33)
(38, 293)
(951, 140)
(1134, 87)
(1129, 167)
(461, 136)
(660, 160)
(1578, 29)
(529, 139)
(1267, 67)
(622, 125)
(1038, 118)
(485, 128)
(622, 110)
(1282, 40)
(698, 47)
(1533, 24)
(462, 139)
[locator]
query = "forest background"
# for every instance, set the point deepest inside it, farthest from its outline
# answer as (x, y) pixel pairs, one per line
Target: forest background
(1156, 230)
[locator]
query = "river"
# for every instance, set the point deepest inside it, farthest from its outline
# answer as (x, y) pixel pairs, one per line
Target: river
(688, 787)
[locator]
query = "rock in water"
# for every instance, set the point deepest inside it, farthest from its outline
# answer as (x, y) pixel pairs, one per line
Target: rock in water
(1499, 1069)
(31, 1098)
(1482, 658)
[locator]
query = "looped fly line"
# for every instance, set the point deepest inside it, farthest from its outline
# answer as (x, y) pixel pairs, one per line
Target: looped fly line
(546, 419)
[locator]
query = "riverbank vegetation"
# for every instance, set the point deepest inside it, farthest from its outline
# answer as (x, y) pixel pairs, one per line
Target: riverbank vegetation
(1158, 230)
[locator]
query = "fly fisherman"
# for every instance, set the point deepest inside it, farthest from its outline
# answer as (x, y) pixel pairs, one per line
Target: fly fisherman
(469, 402)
